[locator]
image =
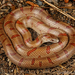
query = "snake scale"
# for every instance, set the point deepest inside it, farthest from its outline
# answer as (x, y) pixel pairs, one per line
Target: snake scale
(22, 51)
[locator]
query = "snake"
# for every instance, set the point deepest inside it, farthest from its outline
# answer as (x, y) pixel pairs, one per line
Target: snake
(27, 53)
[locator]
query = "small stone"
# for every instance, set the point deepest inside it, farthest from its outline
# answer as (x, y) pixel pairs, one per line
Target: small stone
(69, 4)
(66, 1)
(51, 9)
(39, 2)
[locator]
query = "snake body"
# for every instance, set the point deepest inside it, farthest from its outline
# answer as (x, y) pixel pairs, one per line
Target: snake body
(24, 52)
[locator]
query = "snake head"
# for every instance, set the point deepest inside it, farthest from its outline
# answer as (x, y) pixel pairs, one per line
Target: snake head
(54, 40)
(50, 38)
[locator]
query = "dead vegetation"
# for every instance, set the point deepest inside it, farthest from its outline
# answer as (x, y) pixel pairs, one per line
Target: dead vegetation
(67, 68)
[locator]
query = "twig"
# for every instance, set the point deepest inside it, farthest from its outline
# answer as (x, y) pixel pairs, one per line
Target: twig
(44, 7)
(59, 10)
(67, 7)
(60, 7)
(32, 4)
(4, 10)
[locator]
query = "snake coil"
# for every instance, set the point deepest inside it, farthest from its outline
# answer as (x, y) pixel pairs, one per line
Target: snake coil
(24, 52)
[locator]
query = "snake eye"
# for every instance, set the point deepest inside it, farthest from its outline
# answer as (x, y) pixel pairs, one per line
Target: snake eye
(52, 39)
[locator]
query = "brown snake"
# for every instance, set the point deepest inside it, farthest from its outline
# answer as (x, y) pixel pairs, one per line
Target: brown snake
(18, 44)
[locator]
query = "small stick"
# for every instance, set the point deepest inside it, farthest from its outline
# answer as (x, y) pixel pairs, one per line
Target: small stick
(4, 10)
(62, 66)
(61, 7)
(32, 4)
(67, 7)
(59, 10)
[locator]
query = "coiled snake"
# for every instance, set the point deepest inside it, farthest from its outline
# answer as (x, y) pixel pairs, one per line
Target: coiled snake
(18, 44)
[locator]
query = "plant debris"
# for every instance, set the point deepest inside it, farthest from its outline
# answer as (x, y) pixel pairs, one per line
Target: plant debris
(67, 68)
